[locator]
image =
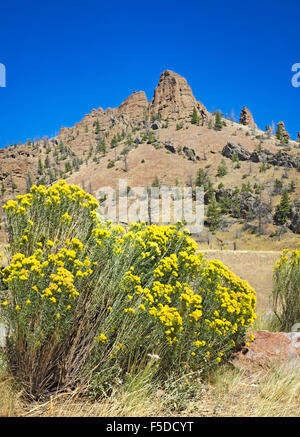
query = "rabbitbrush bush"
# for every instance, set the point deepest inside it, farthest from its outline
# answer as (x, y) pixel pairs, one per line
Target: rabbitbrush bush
(87, 301)
(286, 288)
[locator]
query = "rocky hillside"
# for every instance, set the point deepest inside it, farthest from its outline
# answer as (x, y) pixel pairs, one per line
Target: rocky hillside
(172, 140)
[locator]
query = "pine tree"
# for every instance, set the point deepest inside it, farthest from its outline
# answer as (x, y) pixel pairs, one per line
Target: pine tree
(201, 178)
(279, 132)
(283, 210)
(97, 130)
(218, 121)
(40, 167)
(213, 215)
(195, 117)
(47, 162)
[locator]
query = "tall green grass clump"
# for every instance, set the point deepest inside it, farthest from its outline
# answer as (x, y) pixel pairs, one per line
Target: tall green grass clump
(286, 289)
(87, 301)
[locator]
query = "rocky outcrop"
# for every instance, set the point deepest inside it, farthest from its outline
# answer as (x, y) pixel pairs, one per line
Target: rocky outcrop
(281, 132)
(243, 204)
(294, 224)
(281, 159)
(173, 99)
(232, 149)
(246, 118)
(269, 349)
(298, 137)
(189, 153)
(135, 106)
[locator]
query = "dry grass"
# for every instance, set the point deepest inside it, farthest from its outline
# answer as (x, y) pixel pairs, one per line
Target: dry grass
(271, 393)
(10, 403)
(228, 392)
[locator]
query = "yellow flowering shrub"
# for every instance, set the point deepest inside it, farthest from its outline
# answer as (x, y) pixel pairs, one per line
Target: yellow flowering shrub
(84, 297)
(286, 288)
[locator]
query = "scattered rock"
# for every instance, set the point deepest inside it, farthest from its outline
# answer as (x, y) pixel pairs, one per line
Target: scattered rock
(283, 159)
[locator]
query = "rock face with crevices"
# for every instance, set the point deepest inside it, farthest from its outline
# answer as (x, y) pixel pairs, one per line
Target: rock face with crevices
(135, 106)
(174, 99)
(246, 118)
(268, 349)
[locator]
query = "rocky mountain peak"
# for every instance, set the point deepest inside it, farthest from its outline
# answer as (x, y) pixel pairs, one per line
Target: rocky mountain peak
(173, 98)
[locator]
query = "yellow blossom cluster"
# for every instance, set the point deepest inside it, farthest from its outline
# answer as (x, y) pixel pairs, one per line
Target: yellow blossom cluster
(46, 275)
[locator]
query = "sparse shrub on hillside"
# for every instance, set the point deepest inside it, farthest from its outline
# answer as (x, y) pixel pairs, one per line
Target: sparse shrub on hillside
(292, 187)
(86, 301)
(286, 289)
(222, 169)
(155, 182)
(151, 137)
(111, 164)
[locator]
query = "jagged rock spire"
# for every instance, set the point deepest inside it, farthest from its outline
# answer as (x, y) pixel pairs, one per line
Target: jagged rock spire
(246, 118)
(174, 99)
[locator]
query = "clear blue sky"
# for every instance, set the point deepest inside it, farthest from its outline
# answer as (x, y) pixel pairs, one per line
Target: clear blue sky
(64, 58)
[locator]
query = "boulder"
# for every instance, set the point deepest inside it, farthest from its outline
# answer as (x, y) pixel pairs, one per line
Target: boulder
(156, 125)
(231, 149)
(170, 147)
(138, 140)
(268, 349)
(189, 153)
